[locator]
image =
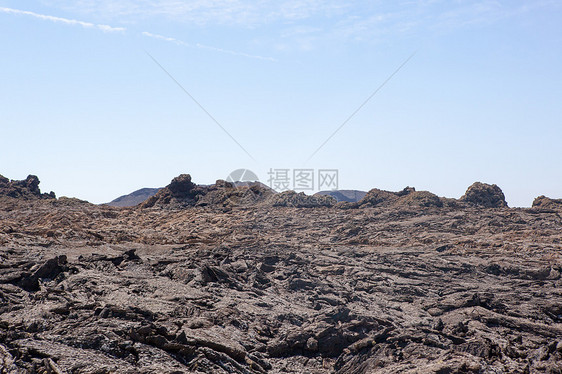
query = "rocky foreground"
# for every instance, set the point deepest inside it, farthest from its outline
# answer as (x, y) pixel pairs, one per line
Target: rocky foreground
(226, 280)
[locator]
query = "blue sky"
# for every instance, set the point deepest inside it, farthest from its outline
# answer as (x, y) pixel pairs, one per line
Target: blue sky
(85, 108)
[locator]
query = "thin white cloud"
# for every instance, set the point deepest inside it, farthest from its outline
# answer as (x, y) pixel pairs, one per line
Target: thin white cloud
(165, 38)
(235, 53)
(304, 24)
(248, 13)
(202, 46)
(265, 12)
(107, 28)
(104, 28)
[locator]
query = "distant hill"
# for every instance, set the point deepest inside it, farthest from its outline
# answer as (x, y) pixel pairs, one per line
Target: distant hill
(352, 196)
(134, 198)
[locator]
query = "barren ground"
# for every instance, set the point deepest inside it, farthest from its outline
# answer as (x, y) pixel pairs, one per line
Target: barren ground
(89, 289)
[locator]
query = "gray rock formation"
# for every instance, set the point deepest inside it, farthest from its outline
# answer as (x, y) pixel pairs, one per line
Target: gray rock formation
(484, 195)
(23, 189)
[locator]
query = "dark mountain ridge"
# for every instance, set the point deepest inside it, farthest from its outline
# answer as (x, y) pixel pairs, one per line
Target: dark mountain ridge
(134, 198)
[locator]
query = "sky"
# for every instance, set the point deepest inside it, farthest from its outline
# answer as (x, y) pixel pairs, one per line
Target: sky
(101, 98)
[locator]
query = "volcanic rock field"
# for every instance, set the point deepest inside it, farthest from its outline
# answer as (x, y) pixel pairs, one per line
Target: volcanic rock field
(225, 279)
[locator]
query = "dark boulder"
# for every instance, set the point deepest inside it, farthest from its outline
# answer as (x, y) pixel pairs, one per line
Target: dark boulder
(484, 195)
(48, 270)
(181, 187)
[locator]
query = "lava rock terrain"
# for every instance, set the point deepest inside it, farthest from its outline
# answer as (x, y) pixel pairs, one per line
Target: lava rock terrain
(410, 285)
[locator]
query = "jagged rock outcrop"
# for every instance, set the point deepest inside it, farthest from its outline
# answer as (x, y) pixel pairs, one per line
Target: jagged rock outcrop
(228, 195)
(484, 195)
(543, 202)
(23, 189)
(182, 192)
(406, 191)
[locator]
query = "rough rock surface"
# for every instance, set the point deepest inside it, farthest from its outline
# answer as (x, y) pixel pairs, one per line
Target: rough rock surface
(350, 196)
(420, 199)
(182, 192)
(23, 189)
(407, 197)
(229, 195)
(379, 198)
(265, 289)
(301, 200)
(484, 195)
(544, 202)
